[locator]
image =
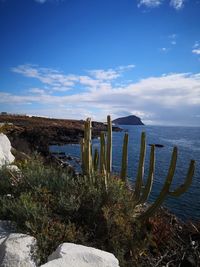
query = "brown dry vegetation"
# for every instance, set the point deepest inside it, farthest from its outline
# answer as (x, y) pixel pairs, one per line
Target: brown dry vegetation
(28, 134)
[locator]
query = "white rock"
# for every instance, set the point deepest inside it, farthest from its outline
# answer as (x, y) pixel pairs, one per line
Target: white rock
(13, 168)
(6, 156)
(72, 255)
(4, 231)
(17, 250)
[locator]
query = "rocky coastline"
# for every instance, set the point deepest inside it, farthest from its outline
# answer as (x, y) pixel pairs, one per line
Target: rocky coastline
(28, 134)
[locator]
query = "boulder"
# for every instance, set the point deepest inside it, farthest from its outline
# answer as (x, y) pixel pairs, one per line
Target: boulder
(17, 250)
(72, 255)
(6, 156)
(6, 227)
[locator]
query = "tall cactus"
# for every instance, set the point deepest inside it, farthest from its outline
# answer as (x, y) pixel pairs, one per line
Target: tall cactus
(83, 155)
(147, 189)
(109, 147)
(102, 153)
(141, 191)
(166, 187)
(86, 149)
(140, 173)
(96, 160)
(124, 158)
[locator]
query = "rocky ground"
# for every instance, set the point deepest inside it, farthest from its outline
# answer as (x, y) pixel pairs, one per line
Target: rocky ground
(28, 134)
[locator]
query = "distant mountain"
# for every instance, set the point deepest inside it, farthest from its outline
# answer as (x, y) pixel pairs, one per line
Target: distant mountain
(129, 120)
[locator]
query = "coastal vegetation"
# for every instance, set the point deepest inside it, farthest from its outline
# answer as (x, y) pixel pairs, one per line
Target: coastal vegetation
(98, 208)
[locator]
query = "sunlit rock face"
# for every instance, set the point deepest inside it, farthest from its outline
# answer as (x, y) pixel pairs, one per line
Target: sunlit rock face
(72, 255)
(16, 250)
(6, 156)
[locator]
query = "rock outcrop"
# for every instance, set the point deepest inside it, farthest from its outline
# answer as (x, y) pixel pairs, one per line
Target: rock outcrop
(28, 134)
(6, 156)
(16, 250)
(72, 255)
(129, 120)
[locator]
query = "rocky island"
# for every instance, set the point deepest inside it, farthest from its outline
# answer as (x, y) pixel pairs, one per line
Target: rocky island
(129, 120)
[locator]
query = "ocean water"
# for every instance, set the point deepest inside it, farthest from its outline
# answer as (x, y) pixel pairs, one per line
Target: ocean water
(187, 139)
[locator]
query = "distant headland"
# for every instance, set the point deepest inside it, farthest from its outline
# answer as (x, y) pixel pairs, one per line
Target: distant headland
(129, 120)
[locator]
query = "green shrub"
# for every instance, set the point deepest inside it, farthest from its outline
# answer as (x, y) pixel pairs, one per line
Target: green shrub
(54, 207)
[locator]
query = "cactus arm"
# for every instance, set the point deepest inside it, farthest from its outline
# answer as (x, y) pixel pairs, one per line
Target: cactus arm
(165, 190)
(102, 153)
(83, 155)
(124, 158)
(109, 146)
(96, 160)
(148, 186)
(181, 189)
(139, 179)
(88, 137)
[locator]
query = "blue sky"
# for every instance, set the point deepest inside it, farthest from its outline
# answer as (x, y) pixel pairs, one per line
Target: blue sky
(80, 58)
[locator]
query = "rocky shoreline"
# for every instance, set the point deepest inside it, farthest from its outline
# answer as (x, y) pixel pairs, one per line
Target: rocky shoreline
(28, 134)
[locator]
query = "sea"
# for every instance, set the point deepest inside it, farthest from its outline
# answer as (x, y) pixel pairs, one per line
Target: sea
(187, 139)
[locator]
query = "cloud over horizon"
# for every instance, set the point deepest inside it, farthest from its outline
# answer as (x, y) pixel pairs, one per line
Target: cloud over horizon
(157, 99)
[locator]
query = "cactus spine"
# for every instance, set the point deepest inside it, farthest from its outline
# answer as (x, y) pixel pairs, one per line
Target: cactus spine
(124, 158)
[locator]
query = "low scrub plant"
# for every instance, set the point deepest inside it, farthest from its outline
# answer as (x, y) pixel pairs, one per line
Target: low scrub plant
(55, 207)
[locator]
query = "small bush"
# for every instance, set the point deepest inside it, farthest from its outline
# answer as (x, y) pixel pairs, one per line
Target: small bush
(55, 207)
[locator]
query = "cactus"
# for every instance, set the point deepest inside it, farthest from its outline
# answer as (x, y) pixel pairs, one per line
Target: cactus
(86, 149)
(141, 192)
(166, 188)
(83, 154)
(109, 147)
(180, 190)
(124, 158)
(140, 173)
(102, 153)
(147, 189)
(96, 160)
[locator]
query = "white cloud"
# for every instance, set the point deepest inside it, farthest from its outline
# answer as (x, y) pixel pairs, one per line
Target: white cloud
(149, 3)
(196, 44)
(110, 74)
(196, 48)
(57, 81)
(164, 49)
(44, 1)
(47, 76)
(173, 42)
(196, 51)
(104, 75)
(125, 68)
(37, 91)
(172, 38)
(177, 4)
(41, 1)
(171, 97)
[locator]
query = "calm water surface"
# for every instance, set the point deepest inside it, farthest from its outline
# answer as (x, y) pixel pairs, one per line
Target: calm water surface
(187, 139)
